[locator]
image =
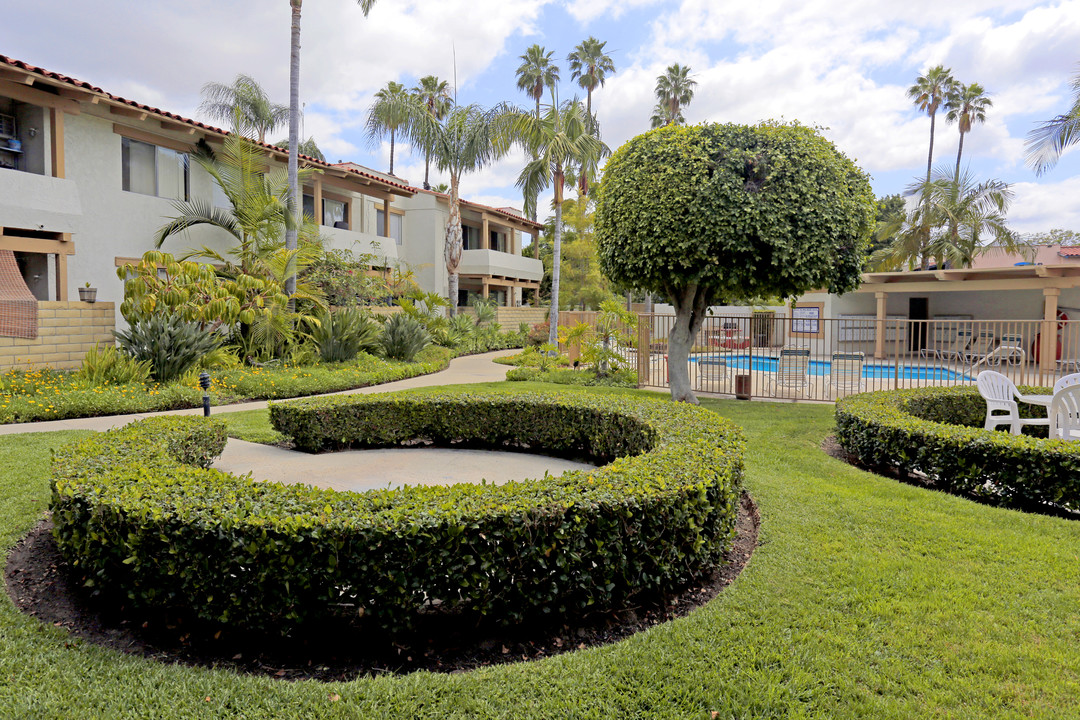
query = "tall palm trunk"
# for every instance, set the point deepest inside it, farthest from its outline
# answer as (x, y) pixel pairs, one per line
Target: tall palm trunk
(556, 257)
(453, 245)
(427, 167)
(294, 138)
(959, 153)
(392, 151)
(924, 258)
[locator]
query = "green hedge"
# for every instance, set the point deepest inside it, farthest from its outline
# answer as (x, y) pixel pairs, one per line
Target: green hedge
(938, 432)
(264, 555)
(565, 376)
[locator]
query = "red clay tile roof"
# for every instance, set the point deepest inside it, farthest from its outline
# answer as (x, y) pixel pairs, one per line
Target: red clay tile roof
(1069, 252)
(12, 62)
(507, 212)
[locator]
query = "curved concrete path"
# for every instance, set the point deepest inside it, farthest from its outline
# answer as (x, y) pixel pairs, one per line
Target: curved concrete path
(463, 370)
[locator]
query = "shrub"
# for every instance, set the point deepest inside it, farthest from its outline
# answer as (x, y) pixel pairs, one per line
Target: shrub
(564, 376)
(341, 335)
(255, 554)
(108, 366)
(403, 337)
(538, 334)
(171, 345)
(909, 430)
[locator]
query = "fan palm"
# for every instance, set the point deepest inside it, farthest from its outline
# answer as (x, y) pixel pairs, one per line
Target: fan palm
(674, 91)
(966, 105)
(1046, 143)
(307, 147)
(391, 111)
(562, 137)
(590, 66)
(294, 120)
(537, 73)
(245, 104)
(433, 94)
(464, 140)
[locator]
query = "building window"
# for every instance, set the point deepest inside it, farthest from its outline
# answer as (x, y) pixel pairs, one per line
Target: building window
(153, 170)
(309, 207)
(395, 225)
(497, 241)
(335, 213)
(470, 237)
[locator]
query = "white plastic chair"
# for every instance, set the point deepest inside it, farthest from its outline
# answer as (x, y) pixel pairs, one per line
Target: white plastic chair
(845, 372)
(1001, 395)
(1065, 413)
(1066, 381)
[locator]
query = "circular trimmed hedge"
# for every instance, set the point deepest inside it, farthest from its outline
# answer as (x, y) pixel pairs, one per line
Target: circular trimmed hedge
(939, 432)
(133, 510)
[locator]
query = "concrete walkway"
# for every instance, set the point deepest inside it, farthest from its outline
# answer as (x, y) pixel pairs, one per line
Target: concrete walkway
(463, 370)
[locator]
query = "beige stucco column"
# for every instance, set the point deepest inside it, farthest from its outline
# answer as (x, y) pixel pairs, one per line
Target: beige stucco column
(1048, 349)
(316, 193)
(56, 121)
(386, 217)
(879, 336)
(485, 233)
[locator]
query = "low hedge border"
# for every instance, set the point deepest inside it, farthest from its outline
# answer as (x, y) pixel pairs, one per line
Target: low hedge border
(938, 432)
(566, 376)
(130, 513)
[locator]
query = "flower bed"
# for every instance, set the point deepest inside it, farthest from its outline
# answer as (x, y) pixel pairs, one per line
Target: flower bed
(129, 513)
(938, 432)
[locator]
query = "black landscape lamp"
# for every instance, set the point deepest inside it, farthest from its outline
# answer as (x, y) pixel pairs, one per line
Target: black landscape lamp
(204, 383)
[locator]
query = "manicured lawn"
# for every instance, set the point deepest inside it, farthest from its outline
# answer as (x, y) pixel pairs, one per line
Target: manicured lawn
(865, 599)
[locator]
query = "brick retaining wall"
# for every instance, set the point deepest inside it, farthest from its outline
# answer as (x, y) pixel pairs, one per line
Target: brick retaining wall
(66, 330)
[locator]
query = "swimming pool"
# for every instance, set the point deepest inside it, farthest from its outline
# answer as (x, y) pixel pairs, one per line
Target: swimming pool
(764, 363)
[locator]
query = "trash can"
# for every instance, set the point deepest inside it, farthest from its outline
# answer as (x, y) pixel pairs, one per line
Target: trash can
(742, 387)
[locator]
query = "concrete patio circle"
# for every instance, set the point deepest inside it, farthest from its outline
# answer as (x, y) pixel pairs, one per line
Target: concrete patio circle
(361, 470)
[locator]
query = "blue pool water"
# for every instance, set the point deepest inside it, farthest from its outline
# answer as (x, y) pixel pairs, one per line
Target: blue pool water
(761, 363)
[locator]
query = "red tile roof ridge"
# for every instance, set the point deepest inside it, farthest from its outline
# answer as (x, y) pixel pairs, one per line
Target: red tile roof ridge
(502, 211)
(9, 61)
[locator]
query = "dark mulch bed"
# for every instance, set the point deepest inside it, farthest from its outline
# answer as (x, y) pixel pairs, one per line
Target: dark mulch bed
(40, 584)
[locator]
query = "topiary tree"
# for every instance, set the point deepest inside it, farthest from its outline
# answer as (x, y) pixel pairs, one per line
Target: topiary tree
(720, 213)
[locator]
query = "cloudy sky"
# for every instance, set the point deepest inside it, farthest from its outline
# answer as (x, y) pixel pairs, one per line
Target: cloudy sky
(843, 65)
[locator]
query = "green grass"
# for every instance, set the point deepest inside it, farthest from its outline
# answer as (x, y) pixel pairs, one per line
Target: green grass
(865, 599)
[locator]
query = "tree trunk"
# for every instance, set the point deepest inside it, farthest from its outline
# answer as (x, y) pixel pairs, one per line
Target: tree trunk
(959, 153)
(427, 166)
(556, 259)
(391, 152)
(929, 164)
(294, 140)
(452, 250)
(689, 314)
(648, 303)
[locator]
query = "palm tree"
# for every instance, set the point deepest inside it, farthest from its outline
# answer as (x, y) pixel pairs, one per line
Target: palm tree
(928, 93)
(434, 94)
(966, 105)
(590, 66)
(245, 104)
(537, 73)
(562, 137)
(464, 140)
(660, 117)
(392, 109)
(307, 147)
(957, 215)
(294, 121)
(1046, 143)
(674, 91)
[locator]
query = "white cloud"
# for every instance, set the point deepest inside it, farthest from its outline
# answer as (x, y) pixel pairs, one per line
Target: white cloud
(1042, 206)
(590, 10)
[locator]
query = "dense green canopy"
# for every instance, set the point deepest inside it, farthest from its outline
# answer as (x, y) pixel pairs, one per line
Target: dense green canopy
(768, 210)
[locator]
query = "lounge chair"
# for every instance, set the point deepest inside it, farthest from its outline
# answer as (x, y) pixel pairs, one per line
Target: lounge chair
(1010, 349)
(980, 348)
(712, 370)
(1069, 363)
(793, 370)
(1001, 394)
(959, 346)
(1065, 413)
(957, 343)
(846, 372)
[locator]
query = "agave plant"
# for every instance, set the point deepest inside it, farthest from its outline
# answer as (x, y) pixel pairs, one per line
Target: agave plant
(403, 337)
(341, 335)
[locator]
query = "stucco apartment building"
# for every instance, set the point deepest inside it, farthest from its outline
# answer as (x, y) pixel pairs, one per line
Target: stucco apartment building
(87, 177)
